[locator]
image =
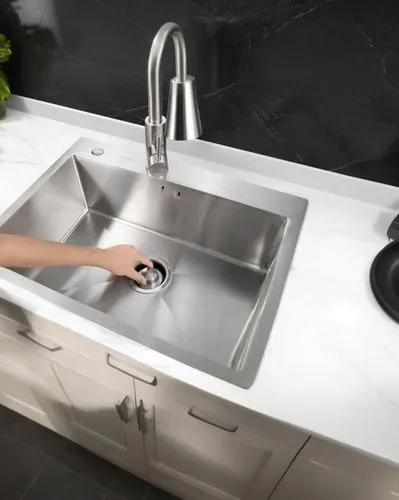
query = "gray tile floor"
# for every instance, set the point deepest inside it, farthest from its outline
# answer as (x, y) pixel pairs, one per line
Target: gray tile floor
(37, 464)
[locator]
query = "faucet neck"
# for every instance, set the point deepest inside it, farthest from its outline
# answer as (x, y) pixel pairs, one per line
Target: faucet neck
(183, 121)
(154, 67)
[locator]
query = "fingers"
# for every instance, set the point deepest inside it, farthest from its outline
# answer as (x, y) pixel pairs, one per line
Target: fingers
(139, 278)
(142, 259)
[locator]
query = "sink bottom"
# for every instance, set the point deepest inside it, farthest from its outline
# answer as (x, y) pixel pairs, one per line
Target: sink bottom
(207, 294)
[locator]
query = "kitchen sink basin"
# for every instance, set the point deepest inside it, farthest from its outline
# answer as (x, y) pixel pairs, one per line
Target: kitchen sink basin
(223, 249)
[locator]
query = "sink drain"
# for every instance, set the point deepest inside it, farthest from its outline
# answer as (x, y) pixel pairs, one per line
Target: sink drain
(157, 277)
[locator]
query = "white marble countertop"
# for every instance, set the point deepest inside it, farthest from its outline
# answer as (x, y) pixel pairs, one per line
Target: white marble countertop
(331, 366)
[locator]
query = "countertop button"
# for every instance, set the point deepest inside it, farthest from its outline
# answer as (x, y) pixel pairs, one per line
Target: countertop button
(97, 151)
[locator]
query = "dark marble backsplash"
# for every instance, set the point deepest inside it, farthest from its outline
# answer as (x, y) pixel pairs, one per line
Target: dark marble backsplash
(311, 81)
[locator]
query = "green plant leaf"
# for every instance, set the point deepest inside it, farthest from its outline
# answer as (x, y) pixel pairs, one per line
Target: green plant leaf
(5, 48)
(4, 87)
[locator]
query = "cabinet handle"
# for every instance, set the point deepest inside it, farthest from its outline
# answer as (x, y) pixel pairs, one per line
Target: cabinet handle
(125, 409)
(226, 428)
(26, 335)
(128, 370)
(141, 411)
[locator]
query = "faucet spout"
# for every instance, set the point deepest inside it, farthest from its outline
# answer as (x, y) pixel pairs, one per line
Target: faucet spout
(183, 120)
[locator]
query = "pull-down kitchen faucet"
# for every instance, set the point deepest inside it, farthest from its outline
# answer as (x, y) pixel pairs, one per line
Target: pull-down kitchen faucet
(183, 121)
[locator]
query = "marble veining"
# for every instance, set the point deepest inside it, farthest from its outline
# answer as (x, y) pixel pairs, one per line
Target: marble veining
(315, 82)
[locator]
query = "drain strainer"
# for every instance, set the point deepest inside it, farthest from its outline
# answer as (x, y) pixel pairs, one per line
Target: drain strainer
(157, 277)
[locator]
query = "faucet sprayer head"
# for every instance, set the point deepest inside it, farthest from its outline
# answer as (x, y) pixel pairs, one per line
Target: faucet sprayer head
(183, 122)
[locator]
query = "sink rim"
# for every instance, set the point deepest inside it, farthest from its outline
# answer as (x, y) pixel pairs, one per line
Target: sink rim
(292, 207)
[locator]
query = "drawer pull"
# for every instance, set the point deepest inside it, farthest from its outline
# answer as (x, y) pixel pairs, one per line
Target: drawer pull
(26, 335)
(128, 370)
(226, 428)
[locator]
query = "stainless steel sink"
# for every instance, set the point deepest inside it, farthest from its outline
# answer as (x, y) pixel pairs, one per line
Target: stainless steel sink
(223, 251)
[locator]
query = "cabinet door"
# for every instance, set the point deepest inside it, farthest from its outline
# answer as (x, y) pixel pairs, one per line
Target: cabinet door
(197, 448)
(103, 417)
(325, 471)
(27, 383)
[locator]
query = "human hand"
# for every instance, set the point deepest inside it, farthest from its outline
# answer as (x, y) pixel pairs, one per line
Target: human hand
(121, 260)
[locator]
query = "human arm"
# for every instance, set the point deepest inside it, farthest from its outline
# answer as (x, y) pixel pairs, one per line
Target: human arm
(23, 251)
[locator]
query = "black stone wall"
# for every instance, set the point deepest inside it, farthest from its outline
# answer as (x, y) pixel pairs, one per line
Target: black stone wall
(312, 81)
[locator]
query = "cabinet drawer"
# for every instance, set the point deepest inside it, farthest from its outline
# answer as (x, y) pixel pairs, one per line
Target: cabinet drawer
(39, 338)
(220, 414)
(64, 346)
(54, 333)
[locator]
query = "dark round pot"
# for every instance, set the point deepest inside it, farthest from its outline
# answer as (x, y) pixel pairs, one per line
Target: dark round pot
(2, 111)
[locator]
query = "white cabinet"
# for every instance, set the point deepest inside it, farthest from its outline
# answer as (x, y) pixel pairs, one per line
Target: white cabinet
(181, 439)
(199, 447)
(27, 384)
(325, 471)
(185, 441)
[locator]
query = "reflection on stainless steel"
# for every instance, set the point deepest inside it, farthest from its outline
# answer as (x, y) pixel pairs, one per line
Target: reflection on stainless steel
(183, 121)
(38, 14)
(227, 248)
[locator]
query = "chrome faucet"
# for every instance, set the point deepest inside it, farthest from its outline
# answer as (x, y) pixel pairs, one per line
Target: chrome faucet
(183, 121)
